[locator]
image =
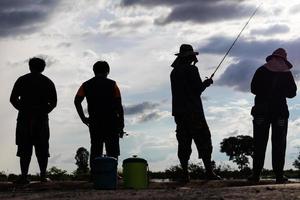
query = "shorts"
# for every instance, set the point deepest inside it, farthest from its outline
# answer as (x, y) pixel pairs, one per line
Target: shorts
(99, 137)
(41, 150)
(32, 132)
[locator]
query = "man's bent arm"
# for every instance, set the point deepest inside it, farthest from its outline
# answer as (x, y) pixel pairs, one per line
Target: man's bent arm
(14, 97)
(52, 98)
(77, 101)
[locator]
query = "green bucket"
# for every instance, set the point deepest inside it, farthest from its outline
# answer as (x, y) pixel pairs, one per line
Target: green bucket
(135, 173)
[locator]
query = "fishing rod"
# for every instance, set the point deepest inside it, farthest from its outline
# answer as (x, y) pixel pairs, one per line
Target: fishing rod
(235, 41)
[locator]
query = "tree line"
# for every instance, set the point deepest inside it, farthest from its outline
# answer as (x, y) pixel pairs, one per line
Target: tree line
(239, 149)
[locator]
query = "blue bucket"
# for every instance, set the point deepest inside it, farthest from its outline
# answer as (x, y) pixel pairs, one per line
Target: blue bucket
(105, 173)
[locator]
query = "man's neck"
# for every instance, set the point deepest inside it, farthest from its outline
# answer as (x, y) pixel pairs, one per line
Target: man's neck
(101, 75)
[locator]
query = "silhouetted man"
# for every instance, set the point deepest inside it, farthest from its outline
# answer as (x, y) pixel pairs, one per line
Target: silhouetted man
(106, 117)
(187, 110)
(272, 84)
(34, 96)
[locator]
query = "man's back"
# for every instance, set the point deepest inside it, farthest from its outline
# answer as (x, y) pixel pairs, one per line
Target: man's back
(100, 95)
(34, 95)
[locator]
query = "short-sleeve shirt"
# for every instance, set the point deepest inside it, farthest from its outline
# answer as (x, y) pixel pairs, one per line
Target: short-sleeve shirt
(35, 95)
(101, 94)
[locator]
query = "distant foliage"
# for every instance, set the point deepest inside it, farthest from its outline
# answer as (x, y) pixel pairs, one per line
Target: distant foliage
(57, 174)
(82, 159)
(238, 148)
(196, 171)
(3, 176)
(12, 177)
(296, 163)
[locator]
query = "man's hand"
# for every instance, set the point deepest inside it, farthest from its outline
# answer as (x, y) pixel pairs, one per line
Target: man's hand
(121, 133)
(86, 121)
(208, 82)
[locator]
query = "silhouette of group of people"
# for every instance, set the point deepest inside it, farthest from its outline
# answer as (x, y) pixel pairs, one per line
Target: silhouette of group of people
(34, 96)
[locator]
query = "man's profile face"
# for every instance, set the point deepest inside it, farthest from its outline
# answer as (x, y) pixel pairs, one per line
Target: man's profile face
(192, 58)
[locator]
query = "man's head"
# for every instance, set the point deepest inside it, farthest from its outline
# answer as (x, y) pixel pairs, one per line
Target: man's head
(101, 68)
(280, 53)
(187, 53)
(36, 65)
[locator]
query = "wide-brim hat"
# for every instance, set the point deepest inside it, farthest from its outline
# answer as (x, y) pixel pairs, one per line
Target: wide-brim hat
(281, 53)
(186, 50)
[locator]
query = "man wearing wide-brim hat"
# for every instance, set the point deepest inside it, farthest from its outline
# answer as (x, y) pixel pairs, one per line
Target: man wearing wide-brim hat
(272, 83)
(187, 110)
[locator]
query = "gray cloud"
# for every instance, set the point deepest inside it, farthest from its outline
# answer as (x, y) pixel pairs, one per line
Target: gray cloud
(239, 75)
(50, 61)
(202, 11)
(55, 159)
(139, 108)
(153, 3)
(64, 45)
(248, 56)
(272, 30)
(149, 116)
(20, 17)
(205, 13)
(243, 47)
(295, 9)
(125, 26)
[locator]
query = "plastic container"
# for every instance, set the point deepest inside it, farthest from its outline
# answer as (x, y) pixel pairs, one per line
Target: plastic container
(135, 173)
(105, 173)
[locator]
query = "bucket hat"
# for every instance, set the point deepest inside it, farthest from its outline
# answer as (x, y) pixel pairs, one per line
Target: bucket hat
(186, 50)
(280, 52)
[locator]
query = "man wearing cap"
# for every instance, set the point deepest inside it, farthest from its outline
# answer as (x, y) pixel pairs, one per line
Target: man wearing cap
(187, 109)
(34, 96)
(106, 116)
(272, 83)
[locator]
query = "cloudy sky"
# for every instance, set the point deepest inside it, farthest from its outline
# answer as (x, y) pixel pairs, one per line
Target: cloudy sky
(139, 38)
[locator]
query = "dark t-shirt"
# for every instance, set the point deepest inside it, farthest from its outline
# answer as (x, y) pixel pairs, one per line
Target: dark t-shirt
(34, 95)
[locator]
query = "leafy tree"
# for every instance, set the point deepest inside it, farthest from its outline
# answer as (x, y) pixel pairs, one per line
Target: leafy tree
(3, 176)
(196, 171)
(238, 148)
(82, 158)
(55, 173)
(296, 163)
(173, 172)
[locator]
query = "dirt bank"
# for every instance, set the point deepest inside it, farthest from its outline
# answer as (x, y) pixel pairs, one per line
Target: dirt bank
(233, 190)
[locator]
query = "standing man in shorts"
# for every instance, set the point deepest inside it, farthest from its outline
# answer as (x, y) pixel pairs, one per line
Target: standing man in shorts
(34, 96)
(188, 113)
(106, 116)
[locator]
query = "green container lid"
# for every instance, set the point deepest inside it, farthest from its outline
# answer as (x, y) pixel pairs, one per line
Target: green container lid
(135, 159)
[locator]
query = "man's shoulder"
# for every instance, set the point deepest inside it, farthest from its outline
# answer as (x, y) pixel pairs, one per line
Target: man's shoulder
(25, 76)
(46, 79)
(110, 80)
(95, 79)
(193, 68)
(262, 69)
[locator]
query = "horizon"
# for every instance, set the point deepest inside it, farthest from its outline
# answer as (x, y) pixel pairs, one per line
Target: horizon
(139, 39)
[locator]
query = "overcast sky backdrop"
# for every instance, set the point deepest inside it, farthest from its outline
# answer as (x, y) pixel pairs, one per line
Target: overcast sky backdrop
(139, 38)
